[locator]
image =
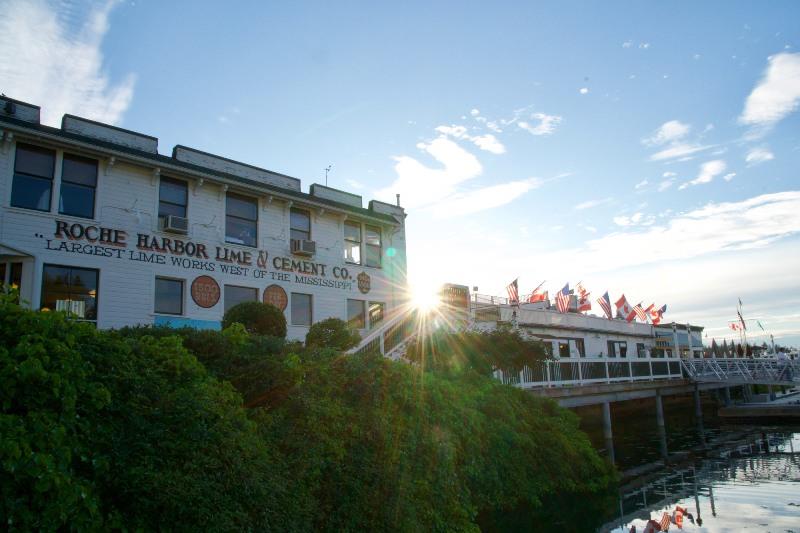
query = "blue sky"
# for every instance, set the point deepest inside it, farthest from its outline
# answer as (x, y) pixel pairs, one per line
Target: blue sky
(645, 148)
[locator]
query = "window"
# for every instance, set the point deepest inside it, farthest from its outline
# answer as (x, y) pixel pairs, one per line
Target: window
(169, 296)
(640, 350)
(236, 295)
(301, 309)
(373, 249)
(14, 271)
(241, 220)
(352, 242)
(563, 348)
(78, 184)
(33, 177)
(72, 290)
(299, 224)
(617, 349)
(173, 197)
(355, 314)
(579, 344)
(376, 313)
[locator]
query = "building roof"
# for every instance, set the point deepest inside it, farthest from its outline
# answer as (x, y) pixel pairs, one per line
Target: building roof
(167, 163)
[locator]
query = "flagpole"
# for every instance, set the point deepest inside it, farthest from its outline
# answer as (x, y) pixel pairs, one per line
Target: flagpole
(744, 326)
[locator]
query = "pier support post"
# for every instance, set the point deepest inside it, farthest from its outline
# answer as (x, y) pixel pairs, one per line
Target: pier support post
(698, 414)
(726, 394)
(770, 394)
(662, 432)
(607, 434)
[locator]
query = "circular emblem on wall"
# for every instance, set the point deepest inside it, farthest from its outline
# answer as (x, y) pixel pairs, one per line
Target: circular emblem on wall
(205, 291)
(363, 282)
(275, 295)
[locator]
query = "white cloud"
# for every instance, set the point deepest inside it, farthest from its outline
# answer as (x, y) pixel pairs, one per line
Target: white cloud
(752, 223)
(671, 137)
(666, 184)
(592, 203)
(474, 112)
(485, 198)
(758, 155)
(777, 93)
(668, 174)
(636, 219)
(584, 90)
(546, 124)
(670, 131)
(44, 60)
(590, 229)
(420, 185)
(487, 142)
(680, 150)
(354, 183)
(708, 171)
(729, 176)
(641, 184)
(644, 46)
(627, 44)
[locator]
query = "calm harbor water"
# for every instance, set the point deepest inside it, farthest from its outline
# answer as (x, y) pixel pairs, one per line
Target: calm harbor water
(751, 483)
(743, 491)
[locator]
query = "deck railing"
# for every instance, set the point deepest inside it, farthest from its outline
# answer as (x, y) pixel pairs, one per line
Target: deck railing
(589, 370)
(738, 370)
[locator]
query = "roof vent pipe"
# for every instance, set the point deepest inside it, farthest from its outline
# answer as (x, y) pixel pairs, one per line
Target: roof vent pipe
(398, 199)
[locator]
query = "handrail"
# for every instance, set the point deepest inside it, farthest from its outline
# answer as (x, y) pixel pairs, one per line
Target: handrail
(376, 339)
(743, 370)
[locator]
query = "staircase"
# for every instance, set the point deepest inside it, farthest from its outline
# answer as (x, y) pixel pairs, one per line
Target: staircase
(392, 338)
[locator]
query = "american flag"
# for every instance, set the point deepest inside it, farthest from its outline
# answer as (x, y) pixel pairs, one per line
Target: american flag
(513, 293)
(605, 305)
(562, 299)
(624, 309)
(664, 524)
(640, 313)
(584, 304)
(657, 314)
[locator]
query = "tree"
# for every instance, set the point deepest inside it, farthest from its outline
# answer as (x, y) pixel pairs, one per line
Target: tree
(257, 317)
(332, 333)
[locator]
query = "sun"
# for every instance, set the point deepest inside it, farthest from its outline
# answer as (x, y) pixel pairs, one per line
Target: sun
(424, 297)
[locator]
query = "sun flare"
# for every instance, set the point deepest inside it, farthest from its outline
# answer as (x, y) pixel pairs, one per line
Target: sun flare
(424, 298)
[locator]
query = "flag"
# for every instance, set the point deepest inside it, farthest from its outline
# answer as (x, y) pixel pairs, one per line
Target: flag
(538, 295)
(624, 309)
(734, 326)
(639, 310)
(605, 305)
(657, 314)
(664, 524)
(562, 299)
(584, 303)
(513, 293)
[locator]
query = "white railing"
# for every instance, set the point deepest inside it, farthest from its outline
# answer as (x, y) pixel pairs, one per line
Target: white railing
(743, 370)
(589, 370)
(391, 337)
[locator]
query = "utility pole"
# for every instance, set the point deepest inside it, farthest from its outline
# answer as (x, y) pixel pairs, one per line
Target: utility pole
(327, 169)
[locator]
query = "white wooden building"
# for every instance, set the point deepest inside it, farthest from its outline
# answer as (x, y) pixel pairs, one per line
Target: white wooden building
(96, 222)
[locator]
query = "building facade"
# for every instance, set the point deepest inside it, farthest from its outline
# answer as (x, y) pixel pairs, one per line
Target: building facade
(95, 222)
(571, 334)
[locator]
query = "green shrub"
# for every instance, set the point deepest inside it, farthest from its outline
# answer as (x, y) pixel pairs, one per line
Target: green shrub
(258, 318)
(332, 333)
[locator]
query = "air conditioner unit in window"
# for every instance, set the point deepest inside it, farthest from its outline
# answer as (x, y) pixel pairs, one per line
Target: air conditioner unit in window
(175, 224)
(303, 247)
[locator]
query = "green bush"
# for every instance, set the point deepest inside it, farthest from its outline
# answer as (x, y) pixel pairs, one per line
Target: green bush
(332, 333)
(100, 432)
(258, 318)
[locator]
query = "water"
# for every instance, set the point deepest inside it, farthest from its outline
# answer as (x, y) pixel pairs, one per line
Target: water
(729, 490)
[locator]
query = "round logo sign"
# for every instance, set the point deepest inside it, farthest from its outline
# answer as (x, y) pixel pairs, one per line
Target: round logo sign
(363, 282)
(275, 295)
(205, 291)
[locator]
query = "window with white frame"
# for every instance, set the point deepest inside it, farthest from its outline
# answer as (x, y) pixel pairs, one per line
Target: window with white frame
(352, 242)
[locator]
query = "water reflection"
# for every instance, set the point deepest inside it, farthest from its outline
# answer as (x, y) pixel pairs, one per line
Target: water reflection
(754, 486)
